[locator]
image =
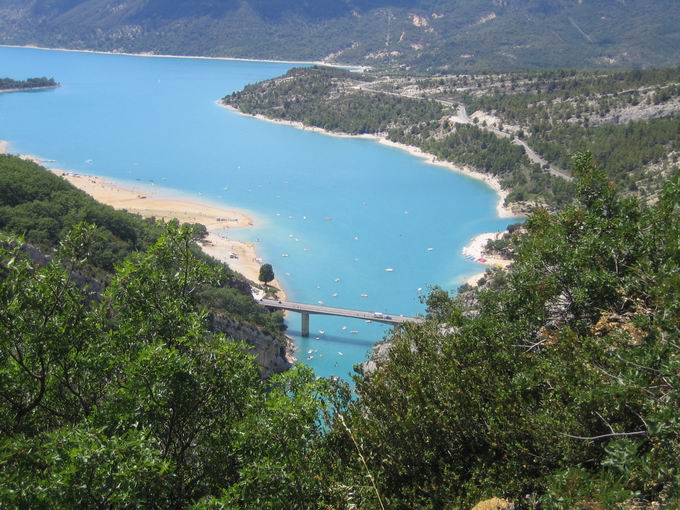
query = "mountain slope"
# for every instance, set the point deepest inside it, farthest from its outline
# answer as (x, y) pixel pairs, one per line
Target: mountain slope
(423, 34)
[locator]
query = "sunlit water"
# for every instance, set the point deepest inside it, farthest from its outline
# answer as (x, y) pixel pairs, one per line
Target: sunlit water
(342, 210)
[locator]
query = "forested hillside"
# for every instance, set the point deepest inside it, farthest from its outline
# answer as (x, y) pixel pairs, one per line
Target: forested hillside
(630, 121)
(340, 101)
(519, 127)
(441, 35)
(43, 208)
(554, 386)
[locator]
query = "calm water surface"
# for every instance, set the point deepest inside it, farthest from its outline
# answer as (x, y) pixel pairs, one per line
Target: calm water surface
(343, 210)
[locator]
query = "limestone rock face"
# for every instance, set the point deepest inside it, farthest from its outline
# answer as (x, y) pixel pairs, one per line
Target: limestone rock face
(271, 352)
(494, 504)
(378, 356)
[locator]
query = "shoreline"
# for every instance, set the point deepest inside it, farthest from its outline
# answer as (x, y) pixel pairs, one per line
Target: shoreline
(28, 89)
(353, 67)
(167, 204)
(476, 250)
(150, 201)
(502, 210)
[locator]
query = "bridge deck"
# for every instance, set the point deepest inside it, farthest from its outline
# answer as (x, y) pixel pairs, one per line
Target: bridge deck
(341, 312)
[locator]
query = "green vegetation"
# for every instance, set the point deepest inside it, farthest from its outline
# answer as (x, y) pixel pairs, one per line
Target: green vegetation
(338, 101)
(327, 98)
(266, 273)
(554, 386)
(629, 121)
(31, 83)
(42, 208)
(128, 400)
(423, 35)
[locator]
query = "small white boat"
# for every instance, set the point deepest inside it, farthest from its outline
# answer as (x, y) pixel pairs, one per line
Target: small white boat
(337, 280)
(340, 354)
(364, 295)
(335, 294)
(344, 328)
(284, 254)
(354, 332)
(320, 302)
(322, 332)
(389, 270)
(430, 249)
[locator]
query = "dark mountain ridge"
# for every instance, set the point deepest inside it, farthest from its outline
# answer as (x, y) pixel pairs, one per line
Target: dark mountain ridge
(435, 35)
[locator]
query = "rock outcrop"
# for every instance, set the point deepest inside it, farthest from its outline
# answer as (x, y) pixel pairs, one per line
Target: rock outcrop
(271, 352)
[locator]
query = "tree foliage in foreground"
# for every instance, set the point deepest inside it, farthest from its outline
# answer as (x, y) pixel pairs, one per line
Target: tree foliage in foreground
(554, 387)
(560, 388)
(129, 400)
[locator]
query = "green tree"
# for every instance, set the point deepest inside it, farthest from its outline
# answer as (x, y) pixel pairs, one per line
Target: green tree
(558, 386)
(266, 273)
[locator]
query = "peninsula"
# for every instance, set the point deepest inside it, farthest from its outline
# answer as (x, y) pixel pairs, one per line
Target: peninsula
(519, 134)
(10, 85)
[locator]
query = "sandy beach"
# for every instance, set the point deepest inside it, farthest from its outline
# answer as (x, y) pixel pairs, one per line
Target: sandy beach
(148, 202)
(475, 249)
(501, 209)
(193, 57)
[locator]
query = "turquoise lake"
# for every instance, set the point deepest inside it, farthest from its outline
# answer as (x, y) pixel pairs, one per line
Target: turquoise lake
(340, 208)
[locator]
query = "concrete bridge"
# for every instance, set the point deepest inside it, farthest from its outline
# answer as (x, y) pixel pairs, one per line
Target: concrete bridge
(307, 310)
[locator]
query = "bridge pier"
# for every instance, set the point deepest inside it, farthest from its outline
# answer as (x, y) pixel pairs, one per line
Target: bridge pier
(305, 324)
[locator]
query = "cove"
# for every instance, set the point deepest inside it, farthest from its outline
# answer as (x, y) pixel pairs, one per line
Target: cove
(331, 213)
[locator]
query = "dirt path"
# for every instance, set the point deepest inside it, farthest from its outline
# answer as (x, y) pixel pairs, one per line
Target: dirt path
(463, 118)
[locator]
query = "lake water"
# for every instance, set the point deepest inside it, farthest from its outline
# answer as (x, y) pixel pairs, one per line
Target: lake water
(342, 209)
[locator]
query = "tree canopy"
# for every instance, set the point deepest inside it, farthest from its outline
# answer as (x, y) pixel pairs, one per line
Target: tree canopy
(266, 273)
(553, 386)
